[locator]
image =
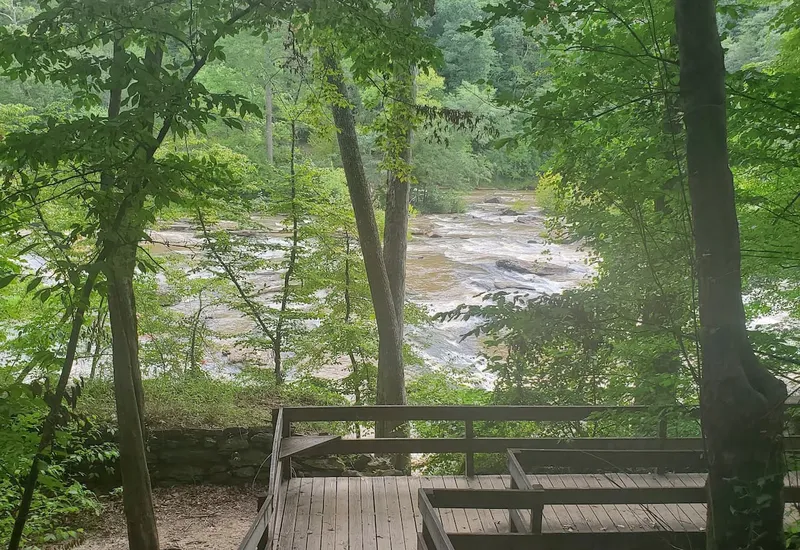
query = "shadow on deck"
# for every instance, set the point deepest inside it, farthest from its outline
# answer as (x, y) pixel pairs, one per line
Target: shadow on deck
(599, 499)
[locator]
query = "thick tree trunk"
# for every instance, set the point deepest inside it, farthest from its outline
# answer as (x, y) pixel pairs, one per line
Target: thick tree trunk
(391, 374)
(741, 402)
(137, 496)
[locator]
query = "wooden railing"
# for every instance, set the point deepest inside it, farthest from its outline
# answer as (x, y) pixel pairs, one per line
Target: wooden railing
(471, 443)
(609, 450)
(262, 531)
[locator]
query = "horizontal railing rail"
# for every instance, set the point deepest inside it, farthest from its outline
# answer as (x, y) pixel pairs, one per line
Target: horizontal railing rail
(472, 443)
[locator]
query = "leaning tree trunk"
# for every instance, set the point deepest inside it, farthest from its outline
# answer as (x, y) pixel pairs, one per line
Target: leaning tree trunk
(391, 374)
(741, 403)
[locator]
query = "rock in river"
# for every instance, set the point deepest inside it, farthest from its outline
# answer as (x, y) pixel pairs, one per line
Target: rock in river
(542, 269)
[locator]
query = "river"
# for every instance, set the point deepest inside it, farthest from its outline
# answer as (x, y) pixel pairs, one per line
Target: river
(452, 259)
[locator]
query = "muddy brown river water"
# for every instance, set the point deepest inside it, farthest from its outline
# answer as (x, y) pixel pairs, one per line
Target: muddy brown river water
(452, 259)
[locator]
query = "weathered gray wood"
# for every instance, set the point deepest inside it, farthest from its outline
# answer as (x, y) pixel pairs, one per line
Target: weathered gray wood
(611, 460)
(484, 515)
(580, 541)
(469, 434)
(457, 412)
(502, 499)
(432, 526)
(301, 521)
(329, 515)
(407, 514)
(314, 540)
(285, 532)
(396, 535)
(304, 443)
(381, 514)
(355, 541)
(342, 531)
(446, 515)
(368, 534)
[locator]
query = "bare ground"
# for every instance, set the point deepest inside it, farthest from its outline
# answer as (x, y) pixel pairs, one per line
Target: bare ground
(196, 517)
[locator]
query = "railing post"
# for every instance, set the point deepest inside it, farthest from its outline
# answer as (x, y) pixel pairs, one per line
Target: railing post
(470, 458)
(285, 431)
(662, 436)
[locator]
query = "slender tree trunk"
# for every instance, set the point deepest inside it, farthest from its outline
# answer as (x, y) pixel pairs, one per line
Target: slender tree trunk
(287, 277)
(741, 403)
(52, 420)
(268, 121)
(391, 373)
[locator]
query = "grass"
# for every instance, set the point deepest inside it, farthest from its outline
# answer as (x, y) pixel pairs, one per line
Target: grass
(200, 401)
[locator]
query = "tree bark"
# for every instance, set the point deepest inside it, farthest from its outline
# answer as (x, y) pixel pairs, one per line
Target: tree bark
(137, 495)
(741, 403)
(395, 239)
(391, 374)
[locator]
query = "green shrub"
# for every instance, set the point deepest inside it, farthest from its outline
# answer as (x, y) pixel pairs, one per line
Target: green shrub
(58, 493)
(194, 400)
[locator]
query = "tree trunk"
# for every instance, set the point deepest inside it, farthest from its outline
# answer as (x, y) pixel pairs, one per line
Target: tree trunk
(51, 422)
(395, 237)
(268, 121)
(391, 375)
(137, 496)
(741, 403)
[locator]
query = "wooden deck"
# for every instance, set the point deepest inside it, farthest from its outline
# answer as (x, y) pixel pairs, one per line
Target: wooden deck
(380, 513)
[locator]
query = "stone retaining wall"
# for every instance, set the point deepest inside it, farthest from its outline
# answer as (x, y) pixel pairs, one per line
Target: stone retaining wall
(227, 457)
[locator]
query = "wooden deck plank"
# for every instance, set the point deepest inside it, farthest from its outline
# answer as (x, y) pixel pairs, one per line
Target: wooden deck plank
(342, 529)
(301, 521)
(684, 519)
(396, 535)
(314, 540)
(286, 529)
(626, 510)
(645, 513)
(564, 519)
(473, 517)
(583, 514)
(619, 512)
(368, 534)
(329, 515)
(661, 513)
(550, 521)
(484, 516)
(608, 522)
(414, 483)
(446, 514)
(354, 515)
(381, 514)
(404, 496)
(493, 516)
(499, 517)
(696, 512)
(459, 514)
(503, 482)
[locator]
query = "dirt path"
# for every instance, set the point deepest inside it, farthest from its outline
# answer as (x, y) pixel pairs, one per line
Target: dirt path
(189, 518)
